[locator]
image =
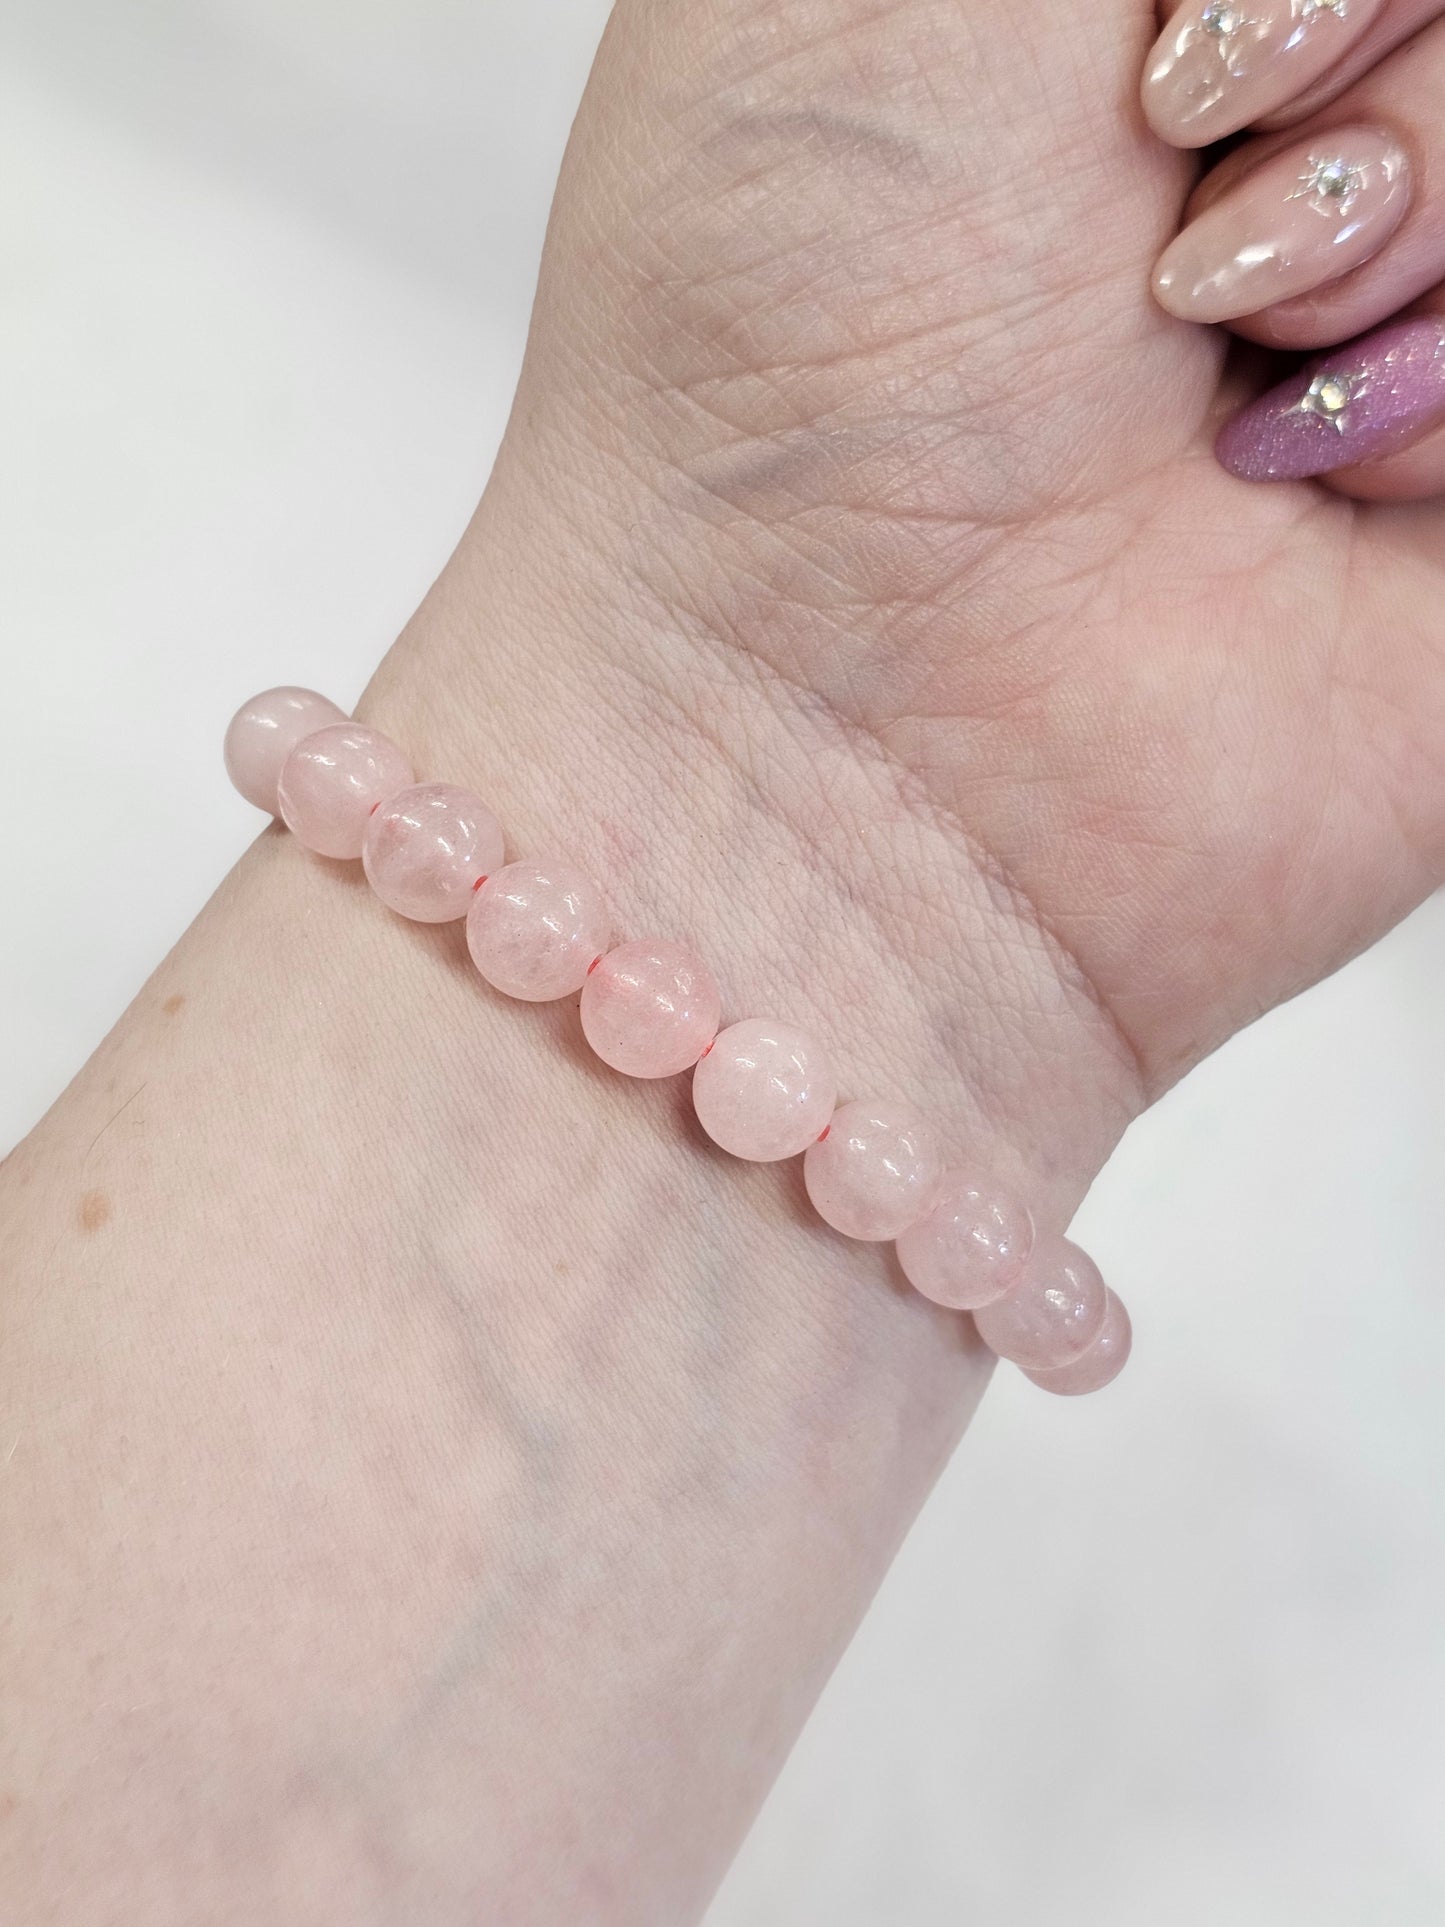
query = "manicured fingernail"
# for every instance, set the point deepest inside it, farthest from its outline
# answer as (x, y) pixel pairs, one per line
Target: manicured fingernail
(1220, 64)
(1355, 404)
(1303, 218)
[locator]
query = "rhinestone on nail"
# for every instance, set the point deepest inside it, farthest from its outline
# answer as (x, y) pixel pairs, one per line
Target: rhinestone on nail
(1220, 20)
(1328, 398)
(1333, 185)
(1233, 32)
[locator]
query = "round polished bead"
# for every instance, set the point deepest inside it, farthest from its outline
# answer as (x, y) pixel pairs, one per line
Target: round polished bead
(650, 1009)
(1053, 1316)
(972, 1246)
(764, 1091)
(535, 929)
(875, 1173)
(333, 780)
(426, 849)
(263, 733)
(1101, 1364)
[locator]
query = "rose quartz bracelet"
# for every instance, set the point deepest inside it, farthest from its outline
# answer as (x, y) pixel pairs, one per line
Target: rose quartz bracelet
(763, 1090)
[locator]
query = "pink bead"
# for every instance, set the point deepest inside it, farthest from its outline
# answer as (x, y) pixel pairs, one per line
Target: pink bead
(333, 780)
(650, 1009)
(876, 1172)
(1101, 1363)
(425, 850)
(1053, 1316)
(536, 929)
(971, 1248)
(263, 733)
(764, 1091)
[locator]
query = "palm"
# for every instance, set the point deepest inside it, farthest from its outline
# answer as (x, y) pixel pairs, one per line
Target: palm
(895, 302)
(1245, 702)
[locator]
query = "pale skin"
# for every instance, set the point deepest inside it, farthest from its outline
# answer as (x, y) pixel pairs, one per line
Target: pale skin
(441, 1483)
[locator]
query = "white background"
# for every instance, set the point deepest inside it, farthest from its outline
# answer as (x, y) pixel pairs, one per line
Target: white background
(1175, 1655)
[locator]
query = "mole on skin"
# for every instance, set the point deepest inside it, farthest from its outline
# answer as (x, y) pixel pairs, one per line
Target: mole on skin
(173, 1003)
(94, 1211)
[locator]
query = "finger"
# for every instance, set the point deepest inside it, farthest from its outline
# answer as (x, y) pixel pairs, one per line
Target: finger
(1312, 236)
(1363, 403)
(1307, 214)
(1221, 64)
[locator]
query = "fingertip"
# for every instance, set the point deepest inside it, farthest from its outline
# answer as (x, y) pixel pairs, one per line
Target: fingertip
(1220, 65)
(1302, 218)
(1359, 406)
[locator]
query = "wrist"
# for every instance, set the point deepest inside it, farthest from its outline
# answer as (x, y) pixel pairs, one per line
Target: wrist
(551, 1437)
(723, 805)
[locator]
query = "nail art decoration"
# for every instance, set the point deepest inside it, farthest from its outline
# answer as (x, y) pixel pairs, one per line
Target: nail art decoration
(1220, 20)
(1329, 396)
(1302, 218)
(1231, 30)
(1331, 186)
(1357, 404)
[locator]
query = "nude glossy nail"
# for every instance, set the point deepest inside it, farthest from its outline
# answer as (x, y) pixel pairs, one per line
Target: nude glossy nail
(1356, 404)
(1220, 64)
(1304, 218)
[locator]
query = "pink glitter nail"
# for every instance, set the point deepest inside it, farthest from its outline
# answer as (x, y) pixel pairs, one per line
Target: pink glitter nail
(1352, 405)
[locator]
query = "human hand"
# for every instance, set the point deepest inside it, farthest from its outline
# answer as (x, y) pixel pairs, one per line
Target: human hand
(907, 565)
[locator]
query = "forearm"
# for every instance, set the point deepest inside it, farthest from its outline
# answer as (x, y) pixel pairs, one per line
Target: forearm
(435, 1475)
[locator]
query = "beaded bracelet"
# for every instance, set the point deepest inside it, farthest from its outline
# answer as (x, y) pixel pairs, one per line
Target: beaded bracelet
(762, 1090)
